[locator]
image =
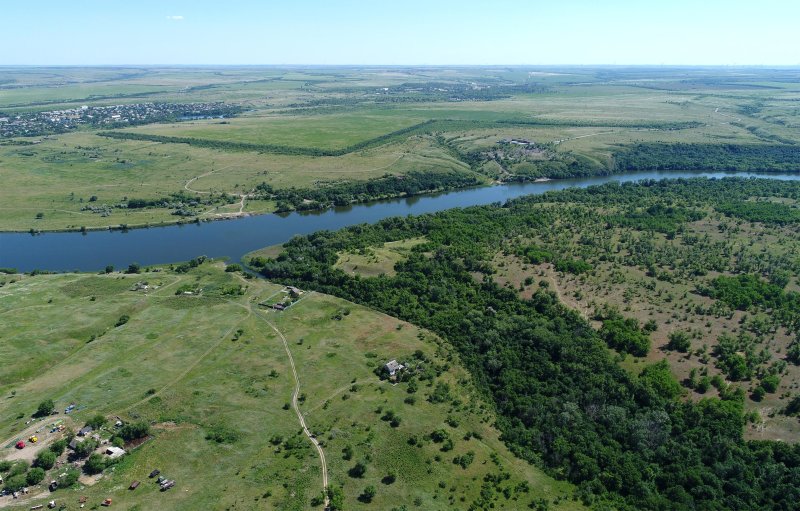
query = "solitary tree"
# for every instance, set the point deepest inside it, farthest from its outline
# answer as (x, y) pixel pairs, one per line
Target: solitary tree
(46, 459)
(45, 408)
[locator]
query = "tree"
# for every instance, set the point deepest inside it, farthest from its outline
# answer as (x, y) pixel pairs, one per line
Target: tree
(58, 446)
(85, 448)
(134, 431)
(45, 408)
(16, 482)
(95, 464)
(109, 268)
(133, 268)
(46, 459)
(358, 470)
(97, 422)
(368, 494)
(34, 476)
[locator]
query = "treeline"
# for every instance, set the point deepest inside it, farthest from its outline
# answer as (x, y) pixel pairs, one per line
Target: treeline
(773, 213)
(342, 194)
(722, 157)
(265, 148)
(628, 441)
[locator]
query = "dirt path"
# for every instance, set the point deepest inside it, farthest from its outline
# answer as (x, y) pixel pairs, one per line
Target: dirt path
(297, 411)
(192, 180)
(735, 119)
(556, 142)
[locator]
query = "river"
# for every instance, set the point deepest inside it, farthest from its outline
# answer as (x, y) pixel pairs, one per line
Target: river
(92, 251)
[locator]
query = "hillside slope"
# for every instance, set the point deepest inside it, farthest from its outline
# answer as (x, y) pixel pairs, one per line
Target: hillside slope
(197, 357)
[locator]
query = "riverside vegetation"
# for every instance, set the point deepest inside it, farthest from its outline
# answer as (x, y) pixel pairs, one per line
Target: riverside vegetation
(639, 341)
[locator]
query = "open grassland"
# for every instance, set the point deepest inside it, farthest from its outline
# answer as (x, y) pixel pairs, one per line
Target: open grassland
(325, 132)
(64, 174)
(205, 365)
(372, 262)
(369, 122)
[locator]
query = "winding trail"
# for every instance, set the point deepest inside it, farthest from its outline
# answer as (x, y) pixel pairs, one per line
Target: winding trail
(296, 408)
(556, 142)
(735, 119)
(192, 180)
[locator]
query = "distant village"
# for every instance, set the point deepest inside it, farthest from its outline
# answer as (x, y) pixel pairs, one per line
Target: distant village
(31, 124)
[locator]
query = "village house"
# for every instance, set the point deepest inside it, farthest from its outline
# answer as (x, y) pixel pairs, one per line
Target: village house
(393, 367)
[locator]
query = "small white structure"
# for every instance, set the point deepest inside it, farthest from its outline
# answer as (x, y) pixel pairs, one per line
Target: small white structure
(115, 452)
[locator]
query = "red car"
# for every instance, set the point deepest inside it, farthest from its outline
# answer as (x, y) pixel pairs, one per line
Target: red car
(20, 445)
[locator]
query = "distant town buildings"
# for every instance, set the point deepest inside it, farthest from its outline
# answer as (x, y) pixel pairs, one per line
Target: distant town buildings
(30, 124)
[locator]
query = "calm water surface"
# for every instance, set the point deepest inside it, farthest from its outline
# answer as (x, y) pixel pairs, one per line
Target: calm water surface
(234, 238)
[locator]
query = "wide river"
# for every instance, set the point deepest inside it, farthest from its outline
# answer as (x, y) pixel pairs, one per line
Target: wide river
(92, 251)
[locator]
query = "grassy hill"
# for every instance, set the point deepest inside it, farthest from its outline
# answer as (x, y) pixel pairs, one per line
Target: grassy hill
(194, 355)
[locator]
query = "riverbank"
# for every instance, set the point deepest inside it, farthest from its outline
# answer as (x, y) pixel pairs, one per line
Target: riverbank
(94, 250)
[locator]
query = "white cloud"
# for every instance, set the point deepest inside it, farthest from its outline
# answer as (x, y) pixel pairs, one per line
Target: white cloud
(175, 18)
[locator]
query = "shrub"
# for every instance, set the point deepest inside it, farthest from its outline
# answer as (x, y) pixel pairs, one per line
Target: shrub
(770, 383)
(679, 341)
(368, 494)
(68, 478)
(222, 434)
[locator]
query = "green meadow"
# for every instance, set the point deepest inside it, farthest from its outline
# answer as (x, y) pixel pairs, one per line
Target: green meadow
(200, 361)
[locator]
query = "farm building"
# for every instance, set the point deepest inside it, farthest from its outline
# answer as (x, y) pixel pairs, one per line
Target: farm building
(115, 452)
(85, 431)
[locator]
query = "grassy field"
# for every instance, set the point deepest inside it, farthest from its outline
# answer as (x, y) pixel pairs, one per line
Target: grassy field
(326, 131)
(212, 364)
(577, 112)
(372, 262)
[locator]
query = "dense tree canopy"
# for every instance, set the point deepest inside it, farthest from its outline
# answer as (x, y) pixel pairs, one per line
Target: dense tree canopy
(562, 401)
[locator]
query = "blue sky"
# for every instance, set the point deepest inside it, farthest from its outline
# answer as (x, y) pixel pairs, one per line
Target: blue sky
(729, 32)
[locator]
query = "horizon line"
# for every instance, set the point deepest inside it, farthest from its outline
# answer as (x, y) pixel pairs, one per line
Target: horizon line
(797, 65)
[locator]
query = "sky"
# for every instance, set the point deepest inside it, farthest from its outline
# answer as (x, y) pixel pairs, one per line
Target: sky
(407, 32)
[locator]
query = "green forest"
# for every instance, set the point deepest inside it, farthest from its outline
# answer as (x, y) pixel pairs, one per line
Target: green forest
(629, 439)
